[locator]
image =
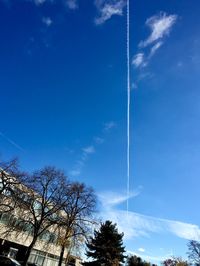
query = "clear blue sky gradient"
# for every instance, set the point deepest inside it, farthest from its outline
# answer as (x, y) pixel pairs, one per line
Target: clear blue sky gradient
(63, 85)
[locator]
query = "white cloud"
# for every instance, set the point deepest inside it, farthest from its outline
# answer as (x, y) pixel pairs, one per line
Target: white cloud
(89, 150)
(108, 8)
(72, 4)
(110, 199)
(160, 26)
(86, 151)
(145, 75)
(141, 250)
(109, 125)
(155, 48)
(47, 21)
(139, 60)
(183, 230)
(135, 224)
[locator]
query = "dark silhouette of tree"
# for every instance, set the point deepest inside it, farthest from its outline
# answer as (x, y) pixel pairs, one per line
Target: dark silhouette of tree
(136, 261)
(106, 247)
(194, 252)
(169, 262)
(10, 177)
(76, 220)
(41, 203)
(175, 261)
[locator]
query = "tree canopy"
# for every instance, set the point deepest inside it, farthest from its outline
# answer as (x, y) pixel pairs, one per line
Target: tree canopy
(175, 261)
(136, 261)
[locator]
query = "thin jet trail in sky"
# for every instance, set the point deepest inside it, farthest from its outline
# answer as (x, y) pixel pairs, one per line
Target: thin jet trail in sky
(128, 104)
(11, 142)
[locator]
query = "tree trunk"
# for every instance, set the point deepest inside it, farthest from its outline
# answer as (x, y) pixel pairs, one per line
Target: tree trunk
(61, 255)
(28, 252)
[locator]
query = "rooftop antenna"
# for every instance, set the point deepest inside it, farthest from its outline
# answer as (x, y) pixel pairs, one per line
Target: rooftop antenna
(128, 103)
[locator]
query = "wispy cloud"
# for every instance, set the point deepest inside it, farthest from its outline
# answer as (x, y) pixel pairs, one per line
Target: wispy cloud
(108, 8)
(109, 125)
(72, 4)
(47, 21)
(110, 199)
(160, 26)
(155, 48)
(139, 60)
(87, 151)
(136, 224)
(13, 143)
(141, 250)
(98, 140)
(145, 75)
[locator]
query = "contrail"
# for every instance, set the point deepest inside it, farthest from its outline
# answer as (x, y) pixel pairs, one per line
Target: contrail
(128, 103)
(11, 142)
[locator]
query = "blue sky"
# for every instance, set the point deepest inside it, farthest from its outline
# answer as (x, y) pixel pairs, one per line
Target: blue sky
(63, 103)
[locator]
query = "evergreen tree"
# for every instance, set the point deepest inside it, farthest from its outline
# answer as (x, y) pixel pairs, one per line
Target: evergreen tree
(106, 247)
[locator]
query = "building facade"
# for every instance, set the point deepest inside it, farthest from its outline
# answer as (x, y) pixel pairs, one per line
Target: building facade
(16, 236)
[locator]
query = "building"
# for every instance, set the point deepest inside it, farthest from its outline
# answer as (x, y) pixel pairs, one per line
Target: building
(16, 236)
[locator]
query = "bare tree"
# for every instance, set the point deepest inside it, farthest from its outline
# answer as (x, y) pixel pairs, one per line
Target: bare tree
(75, 224)
(46, 202)
(194, 252)
(10, 177)
(42, 202)
(175, 261)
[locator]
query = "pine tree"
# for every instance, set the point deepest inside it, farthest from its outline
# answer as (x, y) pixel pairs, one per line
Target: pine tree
(106, 247)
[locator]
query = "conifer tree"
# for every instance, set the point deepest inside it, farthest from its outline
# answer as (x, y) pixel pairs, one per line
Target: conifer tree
(106, 247)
